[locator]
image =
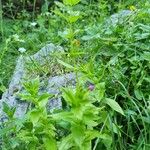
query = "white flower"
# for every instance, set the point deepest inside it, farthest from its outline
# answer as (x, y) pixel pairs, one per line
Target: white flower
(33, 24)
(22, 50)
(20, 40)
(17, 38)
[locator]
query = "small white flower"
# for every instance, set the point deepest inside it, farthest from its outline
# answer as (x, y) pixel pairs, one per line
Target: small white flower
(23, 41)
(46, 14)
(22, 50)
(16, 36)
(33, 24)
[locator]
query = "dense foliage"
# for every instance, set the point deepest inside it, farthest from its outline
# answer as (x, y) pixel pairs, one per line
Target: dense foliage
(110, 106)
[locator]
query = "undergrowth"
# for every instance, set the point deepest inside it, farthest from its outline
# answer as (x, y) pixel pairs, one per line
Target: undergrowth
(110, 106)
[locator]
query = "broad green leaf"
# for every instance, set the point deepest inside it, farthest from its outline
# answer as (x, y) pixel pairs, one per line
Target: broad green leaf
(66, 143)
(78, 133)
(114, 105)
(43, 99)
(49, 143)
(86, 145)
(66, 116)
(73, 19)
(64, 124)
(73, 16)
(34, 116)
(71, 2)
(92, 134)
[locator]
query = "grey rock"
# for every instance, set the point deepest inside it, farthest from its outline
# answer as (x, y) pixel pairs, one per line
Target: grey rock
(54, 83)
(118, 17)
(97, 30)
(43, 55)
(54, 87)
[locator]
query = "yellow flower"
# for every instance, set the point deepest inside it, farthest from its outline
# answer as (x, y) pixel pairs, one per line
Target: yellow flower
(76, 42)
(132, 8)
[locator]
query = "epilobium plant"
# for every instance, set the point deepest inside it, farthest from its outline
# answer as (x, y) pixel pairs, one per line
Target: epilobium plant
(109, 107)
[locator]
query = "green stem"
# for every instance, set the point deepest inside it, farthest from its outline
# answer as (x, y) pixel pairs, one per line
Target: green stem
(34, 9)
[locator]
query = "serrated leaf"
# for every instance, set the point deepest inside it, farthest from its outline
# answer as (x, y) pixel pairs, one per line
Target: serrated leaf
(114, 105)
(32, 86)
(26, 97)
(10, 111)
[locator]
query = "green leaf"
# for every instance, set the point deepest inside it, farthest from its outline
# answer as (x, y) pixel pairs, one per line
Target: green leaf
(101, 89)
(73, 16)
(66, 116)
(2, 88)
(92, 134)
(32, 86)
(66, 143)
(114, 105)
(49, 143)
(27, 97)
(5, 131)
(138, 94)
(73, 19)
(65, 64)
(107, 140)
(146, 56)
(32, 145)
(78, 134)
(8, 110)
(57, 12)
(34, 116)
(69, 96)
(71, 2)
(43, 99)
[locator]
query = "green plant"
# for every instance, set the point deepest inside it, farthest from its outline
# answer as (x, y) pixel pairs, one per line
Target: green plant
(110, 106)
(36, 130)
